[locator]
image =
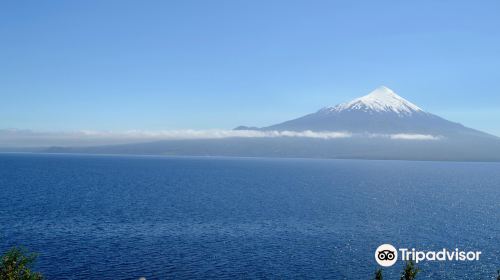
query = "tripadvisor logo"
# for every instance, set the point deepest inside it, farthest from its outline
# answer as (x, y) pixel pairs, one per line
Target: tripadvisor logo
(387, 255)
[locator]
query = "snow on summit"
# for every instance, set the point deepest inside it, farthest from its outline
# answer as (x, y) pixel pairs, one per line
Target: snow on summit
(382, 99)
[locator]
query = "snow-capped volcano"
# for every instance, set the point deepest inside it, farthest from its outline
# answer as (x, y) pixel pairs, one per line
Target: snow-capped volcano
(382, 99)
(380, 125)
(381, 111)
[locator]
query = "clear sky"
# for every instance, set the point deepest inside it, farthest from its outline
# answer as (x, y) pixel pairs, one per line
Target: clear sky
(159, 65)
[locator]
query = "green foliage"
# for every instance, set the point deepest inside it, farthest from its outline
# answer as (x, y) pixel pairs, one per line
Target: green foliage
(410, 272)
(16, 265)
(378, 274)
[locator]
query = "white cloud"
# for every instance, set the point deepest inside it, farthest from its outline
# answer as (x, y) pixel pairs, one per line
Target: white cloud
(211, 134)
(29, 138)
(405, 136)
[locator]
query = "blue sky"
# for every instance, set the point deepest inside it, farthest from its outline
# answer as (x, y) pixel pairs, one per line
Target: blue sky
(159, 65)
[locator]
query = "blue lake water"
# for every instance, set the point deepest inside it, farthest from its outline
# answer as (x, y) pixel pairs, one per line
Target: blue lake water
(120, 217)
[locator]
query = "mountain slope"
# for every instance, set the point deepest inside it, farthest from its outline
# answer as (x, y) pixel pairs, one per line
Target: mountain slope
(381, 111)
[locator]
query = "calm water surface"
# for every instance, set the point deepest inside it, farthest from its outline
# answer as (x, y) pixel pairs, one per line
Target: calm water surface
(118, 217)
